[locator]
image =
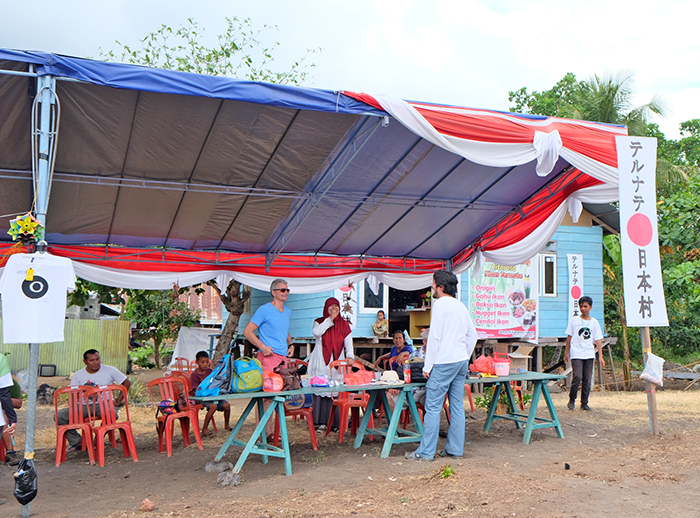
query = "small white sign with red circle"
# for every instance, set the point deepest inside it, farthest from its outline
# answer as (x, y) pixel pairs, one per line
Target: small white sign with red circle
(575, 283)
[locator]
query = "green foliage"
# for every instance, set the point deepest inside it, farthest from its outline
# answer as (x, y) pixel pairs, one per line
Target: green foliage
(679, 234)
(138, 391)
(319, 456)
(106, 294)
(238, 52)
(600, 99)
(159, 316)
(690, 143)
(140, 355)
(556, 102)
(485, 400)
(447, 471)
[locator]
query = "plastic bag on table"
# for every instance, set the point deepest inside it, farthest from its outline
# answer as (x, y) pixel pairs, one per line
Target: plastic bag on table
(653, 370)
(272, 382)
(26, 482)
(23, 380)
(483, 364)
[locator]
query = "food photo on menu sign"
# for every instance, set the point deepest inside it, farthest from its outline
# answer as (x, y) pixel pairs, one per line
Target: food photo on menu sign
(503, 301)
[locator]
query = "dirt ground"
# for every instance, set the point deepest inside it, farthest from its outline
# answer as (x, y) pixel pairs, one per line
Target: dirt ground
(607, 464)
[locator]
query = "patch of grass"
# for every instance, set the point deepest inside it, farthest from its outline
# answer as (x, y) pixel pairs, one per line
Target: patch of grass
(447, 471)
(319, 457)
(138, 391)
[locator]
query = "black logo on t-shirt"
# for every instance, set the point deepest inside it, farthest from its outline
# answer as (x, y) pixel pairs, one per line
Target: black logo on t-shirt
(584, 333)
(36, 288)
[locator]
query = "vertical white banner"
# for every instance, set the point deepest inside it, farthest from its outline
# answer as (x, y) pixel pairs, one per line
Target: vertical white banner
(575, 263)
(347, 296)
(645, 303)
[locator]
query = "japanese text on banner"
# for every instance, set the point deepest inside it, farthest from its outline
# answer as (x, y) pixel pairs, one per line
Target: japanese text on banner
(575, 283)
(645, 303)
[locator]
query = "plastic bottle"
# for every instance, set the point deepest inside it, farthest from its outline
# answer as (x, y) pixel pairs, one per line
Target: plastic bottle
(406, 372)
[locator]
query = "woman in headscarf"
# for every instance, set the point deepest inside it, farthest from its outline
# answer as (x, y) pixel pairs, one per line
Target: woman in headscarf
(333, 342)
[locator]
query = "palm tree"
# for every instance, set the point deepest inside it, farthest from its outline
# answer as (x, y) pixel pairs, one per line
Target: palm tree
(608, 99)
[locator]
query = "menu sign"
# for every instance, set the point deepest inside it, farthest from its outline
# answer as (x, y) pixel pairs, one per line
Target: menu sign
(504, 301)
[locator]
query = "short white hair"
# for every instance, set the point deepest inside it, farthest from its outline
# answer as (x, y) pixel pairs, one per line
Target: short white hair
(276, 283)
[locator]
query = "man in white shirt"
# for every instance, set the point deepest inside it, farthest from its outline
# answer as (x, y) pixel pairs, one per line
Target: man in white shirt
(95, 375)
(451, 342)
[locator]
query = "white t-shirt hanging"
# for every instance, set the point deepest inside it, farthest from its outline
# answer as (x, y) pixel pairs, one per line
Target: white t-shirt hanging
(34, 311)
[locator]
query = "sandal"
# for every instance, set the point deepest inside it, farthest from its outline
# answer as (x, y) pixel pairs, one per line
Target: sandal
(73, 448)
(207, 433)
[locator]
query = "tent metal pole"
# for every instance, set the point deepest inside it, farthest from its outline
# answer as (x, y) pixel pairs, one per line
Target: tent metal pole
(45, 136)
(31, 412)
(43, 160)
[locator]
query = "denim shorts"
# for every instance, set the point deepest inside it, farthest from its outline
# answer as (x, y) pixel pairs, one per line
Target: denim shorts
(207, 404)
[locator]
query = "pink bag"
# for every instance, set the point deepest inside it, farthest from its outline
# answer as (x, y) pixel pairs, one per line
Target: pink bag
(359, 378)
(272, 382)
(484, 364)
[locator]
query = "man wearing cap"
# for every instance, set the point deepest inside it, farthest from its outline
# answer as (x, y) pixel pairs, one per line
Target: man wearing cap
(450, 345)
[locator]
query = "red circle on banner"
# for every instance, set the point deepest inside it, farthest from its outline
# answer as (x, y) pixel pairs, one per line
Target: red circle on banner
(345, 289)
(639, 230)
(576, 292)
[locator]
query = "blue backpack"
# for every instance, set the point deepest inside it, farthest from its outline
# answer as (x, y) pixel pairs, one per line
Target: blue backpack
(219, 379)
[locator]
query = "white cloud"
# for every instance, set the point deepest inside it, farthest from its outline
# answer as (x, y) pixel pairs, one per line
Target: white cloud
(465, 52)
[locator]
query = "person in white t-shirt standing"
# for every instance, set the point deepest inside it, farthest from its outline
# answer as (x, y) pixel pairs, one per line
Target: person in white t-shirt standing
(451, 342)
(95, 375)
(582, 333)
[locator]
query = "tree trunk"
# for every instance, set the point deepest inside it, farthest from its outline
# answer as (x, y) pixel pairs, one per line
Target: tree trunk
(156, 349)
(234, 301)
(627, 364)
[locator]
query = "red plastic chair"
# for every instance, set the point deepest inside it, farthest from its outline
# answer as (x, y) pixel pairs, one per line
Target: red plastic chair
(303, 413)
(170, 388)
(348, 403)
(76, 421)
(181, 364)
(193, 365)
(195, 406)
(306, 413)
(294, 363)
(406, 415)
(102, 398)
(517, 387)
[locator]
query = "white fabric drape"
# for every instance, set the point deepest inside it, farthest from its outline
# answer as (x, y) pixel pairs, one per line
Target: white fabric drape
(545, 148)
(529, 246)
(162, 280)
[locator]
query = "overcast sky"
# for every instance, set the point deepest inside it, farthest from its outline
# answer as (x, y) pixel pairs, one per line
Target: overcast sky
(462, 52)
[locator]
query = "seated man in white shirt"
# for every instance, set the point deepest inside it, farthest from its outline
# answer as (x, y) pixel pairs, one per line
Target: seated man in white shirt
(96, 375)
